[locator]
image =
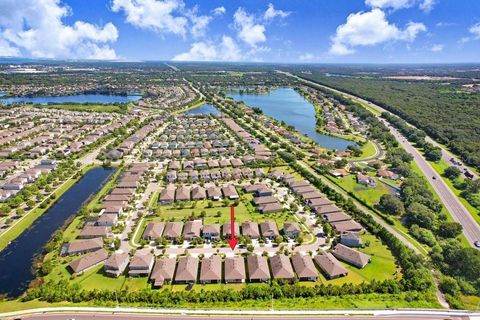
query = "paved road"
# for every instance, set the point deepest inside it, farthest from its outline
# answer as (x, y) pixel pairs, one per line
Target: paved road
(456, 209)
(126, 316)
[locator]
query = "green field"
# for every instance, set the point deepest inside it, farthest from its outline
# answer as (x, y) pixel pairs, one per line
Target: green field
(369, 195)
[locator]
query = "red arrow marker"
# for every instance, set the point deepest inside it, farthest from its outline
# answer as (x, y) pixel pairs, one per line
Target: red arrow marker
(233, 240)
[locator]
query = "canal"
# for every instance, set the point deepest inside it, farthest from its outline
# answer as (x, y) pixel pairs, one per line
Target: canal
(79, 98)
(17, 258)
(285, 104)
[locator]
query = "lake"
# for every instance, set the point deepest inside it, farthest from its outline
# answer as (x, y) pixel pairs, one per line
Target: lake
(17, 258)
(204, 109)
(285, 104)
(79, 98)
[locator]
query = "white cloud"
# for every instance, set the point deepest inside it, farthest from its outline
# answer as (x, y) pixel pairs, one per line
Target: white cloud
(271, 13)
(36, 28)
(161, 16)
(368, 29)
(249, 31)
(226, 50)
(437, 47)
(218, 11)
(427, 5)
(307, 56)
(393, 4)
(199, 24)
(475, 30)
(6, 50)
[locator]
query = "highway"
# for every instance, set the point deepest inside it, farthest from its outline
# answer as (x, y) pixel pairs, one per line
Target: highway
(117, 316)
(456, 209)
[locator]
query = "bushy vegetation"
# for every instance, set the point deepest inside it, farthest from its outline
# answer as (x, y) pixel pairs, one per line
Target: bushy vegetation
(441, 110)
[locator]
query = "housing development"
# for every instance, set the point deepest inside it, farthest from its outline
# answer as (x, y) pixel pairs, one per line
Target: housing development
(234, 160)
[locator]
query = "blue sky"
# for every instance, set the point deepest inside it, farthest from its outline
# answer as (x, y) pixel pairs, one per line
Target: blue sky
(335, 31)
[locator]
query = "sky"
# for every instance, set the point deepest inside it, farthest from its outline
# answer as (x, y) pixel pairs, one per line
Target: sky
(298, 31)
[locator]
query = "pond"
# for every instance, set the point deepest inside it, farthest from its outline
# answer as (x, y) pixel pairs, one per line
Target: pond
(285, 104)
(17, 258)
(204, 109)
(79, 98)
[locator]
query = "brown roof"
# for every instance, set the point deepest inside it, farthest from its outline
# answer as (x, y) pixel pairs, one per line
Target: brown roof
(264, 200)
(349, 225)
(349, 255)
(182, 193)
(192, 229)
(330, 265)
(227, 228)
(211, 268)
(153, 230)
(198, 193)
(84, 245)
(229, 191)
(257, 267)
(336, 216)
(116, 260)
(250, 229)
(214, 192)
(234, 268)
(281, 267)
(88, 260)
(291, 227)
(141, 260)
(164, 269)
(187, 269)
(269, 229)
(304, 266)
(211, 228)
(331, 208)
(270, 207)
(167, 194)
(173, 229)
(93, 232)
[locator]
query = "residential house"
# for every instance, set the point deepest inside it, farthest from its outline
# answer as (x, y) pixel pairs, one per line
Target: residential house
(330, 266)
(269, 230)
(187, 270)
(88, 261)
(351, 256)
(234, 269)
(282, 268)
(291, 229)
(304, 267)
(211, 269)
(154, 230)
(141, 264)
(258, 270)
(163, 272)
(116, 264)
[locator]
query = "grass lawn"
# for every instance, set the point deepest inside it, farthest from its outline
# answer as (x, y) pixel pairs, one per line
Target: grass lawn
(369, 195)
(381, 268)
(368, 150)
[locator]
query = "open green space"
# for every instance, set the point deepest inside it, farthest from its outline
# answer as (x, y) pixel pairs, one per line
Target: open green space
(120, 108)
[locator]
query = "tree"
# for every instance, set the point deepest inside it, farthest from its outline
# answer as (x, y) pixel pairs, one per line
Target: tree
(421, 215)
(450, 230)
(340, 163)
(452, 172)
(391, 205)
